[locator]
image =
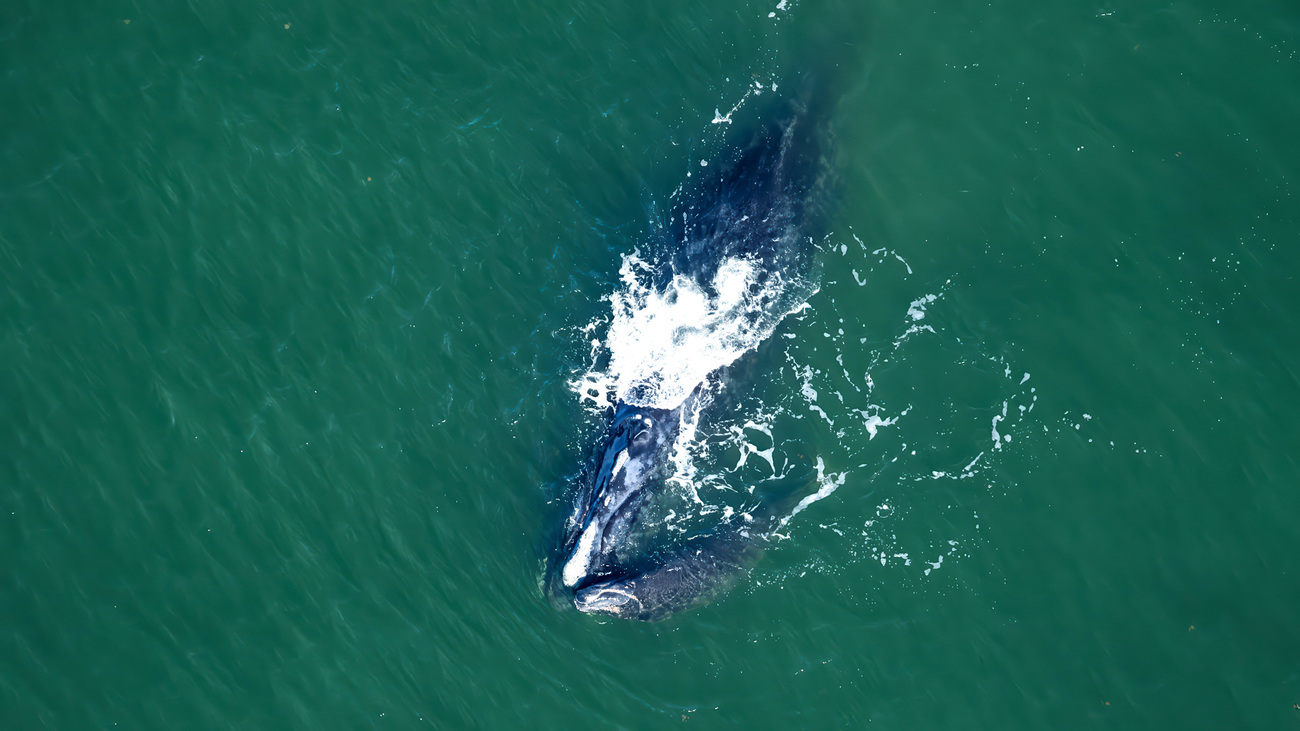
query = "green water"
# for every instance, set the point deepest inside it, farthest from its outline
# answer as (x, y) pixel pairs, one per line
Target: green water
(291, 296)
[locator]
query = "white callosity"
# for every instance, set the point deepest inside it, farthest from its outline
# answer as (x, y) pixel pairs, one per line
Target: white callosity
(577, 566)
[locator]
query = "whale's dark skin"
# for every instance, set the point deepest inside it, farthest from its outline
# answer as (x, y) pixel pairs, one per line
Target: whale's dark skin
(703, 569)
(632, 458)
(763, 202)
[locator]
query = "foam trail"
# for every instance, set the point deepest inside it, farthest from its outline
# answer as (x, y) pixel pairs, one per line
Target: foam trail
(827, 484)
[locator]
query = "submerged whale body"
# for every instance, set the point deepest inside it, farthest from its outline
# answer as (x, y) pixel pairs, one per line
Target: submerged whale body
(743, 241)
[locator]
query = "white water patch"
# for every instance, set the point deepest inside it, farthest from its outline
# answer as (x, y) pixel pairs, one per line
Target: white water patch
(686, 450)
(754, 89)
(934, 564)
(810, 395)
(883, 254)
(663, 343)
(916, 310)
(872, 421)
(740, 439)
(997, 438)
(826, 484)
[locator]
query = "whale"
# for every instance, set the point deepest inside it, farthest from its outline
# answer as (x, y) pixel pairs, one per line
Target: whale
(760, 206)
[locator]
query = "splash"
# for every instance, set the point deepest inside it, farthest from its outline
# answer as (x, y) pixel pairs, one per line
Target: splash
(664, 342)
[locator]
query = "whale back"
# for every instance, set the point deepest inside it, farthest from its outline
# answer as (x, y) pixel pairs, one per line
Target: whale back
(762, 201)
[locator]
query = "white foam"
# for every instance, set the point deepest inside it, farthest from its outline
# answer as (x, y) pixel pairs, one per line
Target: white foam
(663, 343)
(997, 438)
(916, 310)
(747, 448)
(683, 454)
(909, 266)
(828, 483)
(873, 421)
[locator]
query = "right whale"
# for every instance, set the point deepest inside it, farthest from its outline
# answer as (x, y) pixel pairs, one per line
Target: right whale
(744, 238)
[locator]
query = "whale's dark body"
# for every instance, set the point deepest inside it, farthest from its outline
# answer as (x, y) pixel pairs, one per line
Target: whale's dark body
(762, 203)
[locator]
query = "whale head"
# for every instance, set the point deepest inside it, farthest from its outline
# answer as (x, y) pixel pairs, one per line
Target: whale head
(633, 457)
(700, 570)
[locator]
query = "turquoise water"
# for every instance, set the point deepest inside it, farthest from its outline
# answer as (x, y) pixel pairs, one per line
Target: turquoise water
(292, 298)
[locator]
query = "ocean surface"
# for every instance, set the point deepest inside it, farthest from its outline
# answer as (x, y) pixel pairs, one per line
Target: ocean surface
(297, 304)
